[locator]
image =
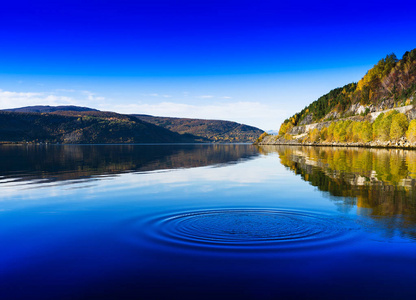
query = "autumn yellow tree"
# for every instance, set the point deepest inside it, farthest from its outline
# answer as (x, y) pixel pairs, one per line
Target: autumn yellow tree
(366, 134)
(285, 128)
(411, 132)
(314, 135)
(399, 125)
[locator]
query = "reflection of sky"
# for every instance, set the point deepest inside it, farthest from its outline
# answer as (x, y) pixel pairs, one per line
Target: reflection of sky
(108, 232)
(235, 174)
(254, 182)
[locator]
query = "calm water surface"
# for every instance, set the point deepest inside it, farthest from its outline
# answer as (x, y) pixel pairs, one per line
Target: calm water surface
(206, 221)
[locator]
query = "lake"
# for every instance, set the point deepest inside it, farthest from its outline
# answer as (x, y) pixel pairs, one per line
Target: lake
(206, 221)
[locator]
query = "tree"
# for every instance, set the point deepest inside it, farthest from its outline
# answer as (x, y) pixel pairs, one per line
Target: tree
(384, 129)
(376, 126)
(411, 132)
(330, 132)
(314, 135)
(285, 128)
(366, 132)
(382, 125)
(324, 134)
(399, 125)
(356, 131)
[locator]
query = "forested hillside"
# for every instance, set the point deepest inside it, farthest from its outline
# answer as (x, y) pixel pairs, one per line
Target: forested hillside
(73, 124)
(390, 83)
(48, 109)
(210, 130)
(82, 127)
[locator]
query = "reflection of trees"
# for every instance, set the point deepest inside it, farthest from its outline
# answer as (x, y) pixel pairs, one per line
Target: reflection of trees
(382, 182)
(65, 162)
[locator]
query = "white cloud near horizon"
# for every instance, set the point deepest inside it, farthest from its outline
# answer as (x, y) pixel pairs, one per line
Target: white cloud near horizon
(251, 113)
(256, 114)
(10, 99)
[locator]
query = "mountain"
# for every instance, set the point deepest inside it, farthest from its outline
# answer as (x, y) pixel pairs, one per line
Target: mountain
(377, 111)
(48, 109)
(390, 83)
(74, 124)
(208, 130)
(77, 127)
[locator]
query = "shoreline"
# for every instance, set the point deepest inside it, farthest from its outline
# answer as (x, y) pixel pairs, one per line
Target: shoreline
(375, 144)
(100, 144)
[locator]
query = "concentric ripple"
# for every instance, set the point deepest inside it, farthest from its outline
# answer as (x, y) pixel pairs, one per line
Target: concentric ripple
(248, 229)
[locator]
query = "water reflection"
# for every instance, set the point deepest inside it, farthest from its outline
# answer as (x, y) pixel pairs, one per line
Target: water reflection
(69, 162)
(248, 230)
(379, 182)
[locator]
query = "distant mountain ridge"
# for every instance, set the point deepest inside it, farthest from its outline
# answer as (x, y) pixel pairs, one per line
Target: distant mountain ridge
(82, 128)
(48, 109)
(212, 130)
(74, 124)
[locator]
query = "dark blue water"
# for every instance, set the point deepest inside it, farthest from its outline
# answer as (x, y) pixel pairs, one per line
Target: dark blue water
(206, 221)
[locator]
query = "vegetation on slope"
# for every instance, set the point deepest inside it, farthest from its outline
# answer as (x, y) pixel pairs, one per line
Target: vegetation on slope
(82, 127)
(390, 82)
(208, 130)
(387, 126)
(48, 109)
(186, 130)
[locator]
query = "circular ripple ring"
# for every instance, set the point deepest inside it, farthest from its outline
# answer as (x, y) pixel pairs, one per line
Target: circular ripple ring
(247, 228)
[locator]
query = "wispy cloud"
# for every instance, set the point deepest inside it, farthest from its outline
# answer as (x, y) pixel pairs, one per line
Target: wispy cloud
(92, 96)
(10, 99)
(206, 96)
(66, 90)
(157, 95)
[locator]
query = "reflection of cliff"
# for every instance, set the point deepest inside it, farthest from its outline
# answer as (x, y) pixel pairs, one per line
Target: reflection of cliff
(379, 182)
(63, 162)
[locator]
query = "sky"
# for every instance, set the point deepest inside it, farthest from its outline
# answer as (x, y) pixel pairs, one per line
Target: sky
(253, 62)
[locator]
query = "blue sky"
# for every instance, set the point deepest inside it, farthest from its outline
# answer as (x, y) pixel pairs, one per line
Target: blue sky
(254, 62)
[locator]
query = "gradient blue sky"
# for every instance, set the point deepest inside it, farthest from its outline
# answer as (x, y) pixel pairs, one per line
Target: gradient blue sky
(254, 62)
